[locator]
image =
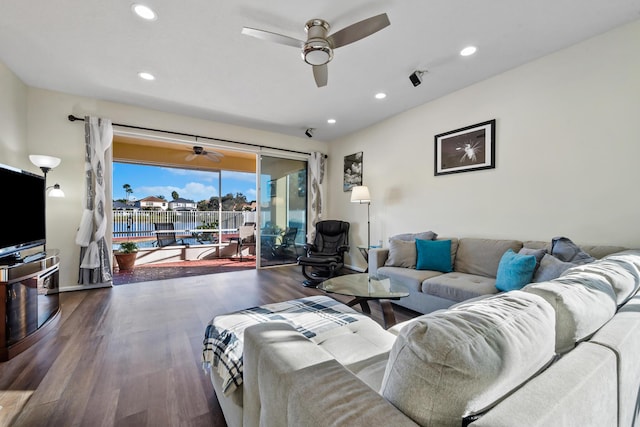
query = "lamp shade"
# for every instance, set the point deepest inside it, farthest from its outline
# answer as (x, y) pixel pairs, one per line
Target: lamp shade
(360, 194)
(41, 161)
(56, 191)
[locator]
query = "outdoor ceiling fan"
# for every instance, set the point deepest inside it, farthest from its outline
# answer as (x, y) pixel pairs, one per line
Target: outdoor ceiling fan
(317, 50)
(214, 156)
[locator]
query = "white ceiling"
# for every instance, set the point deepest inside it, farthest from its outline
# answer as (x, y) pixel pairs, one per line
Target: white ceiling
(206, 68)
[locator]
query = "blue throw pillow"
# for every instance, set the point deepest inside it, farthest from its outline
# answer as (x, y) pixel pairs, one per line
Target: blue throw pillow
(514, 271)
(433, 255)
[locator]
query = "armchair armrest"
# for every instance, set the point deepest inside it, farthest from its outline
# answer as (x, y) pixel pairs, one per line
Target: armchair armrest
(343, 248)
(283, 370)
(271, 350)
(310, 247)
(340, 399)
(377, 258)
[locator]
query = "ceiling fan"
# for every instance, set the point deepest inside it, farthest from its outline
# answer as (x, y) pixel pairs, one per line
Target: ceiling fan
(214, 156)
(317, 50)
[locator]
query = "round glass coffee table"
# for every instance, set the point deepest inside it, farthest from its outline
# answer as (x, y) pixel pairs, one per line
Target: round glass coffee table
(364, 288)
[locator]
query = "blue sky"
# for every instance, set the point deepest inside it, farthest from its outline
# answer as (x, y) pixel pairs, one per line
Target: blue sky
(190, 184)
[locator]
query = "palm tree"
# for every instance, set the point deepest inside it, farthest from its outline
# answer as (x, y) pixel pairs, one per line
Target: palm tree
(175, 195)
(128, 190)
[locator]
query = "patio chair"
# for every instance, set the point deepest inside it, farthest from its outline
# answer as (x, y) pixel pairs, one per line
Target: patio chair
(165, 234)
(325, 256)
(246, 238)
(287, 245)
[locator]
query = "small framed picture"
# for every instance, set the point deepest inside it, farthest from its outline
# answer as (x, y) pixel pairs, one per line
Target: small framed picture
(466, 149)
(352, 171)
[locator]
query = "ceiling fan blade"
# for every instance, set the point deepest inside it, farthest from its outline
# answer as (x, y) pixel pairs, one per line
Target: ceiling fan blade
(213, 156)
(321, 74)
(359, 30)
(190, 157)
(272, 37)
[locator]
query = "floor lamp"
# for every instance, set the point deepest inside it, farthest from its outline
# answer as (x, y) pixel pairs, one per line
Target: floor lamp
(46, 163)
(360, 194)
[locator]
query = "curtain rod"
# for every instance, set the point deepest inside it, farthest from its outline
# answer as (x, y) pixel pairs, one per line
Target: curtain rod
(73, 118)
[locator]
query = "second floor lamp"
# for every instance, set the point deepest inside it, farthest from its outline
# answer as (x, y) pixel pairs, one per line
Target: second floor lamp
(360, 194)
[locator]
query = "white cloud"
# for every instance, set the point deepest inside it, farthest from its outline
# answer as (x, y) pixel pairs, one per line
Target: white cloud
(195, 191)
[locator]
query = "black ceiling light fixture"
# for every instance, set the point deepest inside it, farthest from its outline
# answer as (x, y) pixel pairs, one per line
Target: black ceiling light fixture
(416, 77)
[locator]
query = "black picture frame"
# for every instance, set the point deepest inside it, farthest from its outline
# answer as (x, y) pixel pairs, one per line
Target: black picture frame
(466, 149)
(352, 171)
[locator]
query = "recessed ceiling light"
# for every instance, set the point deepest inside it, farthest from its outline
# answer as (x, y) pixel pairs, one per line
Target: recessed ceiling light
(144, 12)
(331, 121)
(469, 50)
(381, 95)
(146, 76)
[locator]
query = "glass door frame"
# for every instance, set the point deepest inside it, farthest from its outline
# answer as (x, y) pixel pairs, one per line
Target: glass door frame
(278, 189)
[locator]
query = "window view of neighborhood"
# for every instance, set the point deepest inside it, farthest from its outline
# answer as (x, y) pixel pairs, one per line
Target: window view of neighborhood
(189, 200)
(162, 188)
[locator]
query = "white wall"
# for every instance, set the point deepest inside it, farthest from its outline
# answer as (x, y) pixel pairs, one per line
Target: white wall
(34, 121)
(13, 120)
(567, 153)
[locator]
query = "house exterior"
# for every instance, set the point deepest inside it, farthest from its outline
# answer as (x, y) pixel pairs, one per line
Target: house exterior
(181, 204)
(126, 206)
(153, 203)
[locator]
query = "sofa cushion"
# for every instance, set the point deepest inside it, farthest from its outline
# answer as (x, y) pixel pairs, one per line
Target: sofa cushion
(482, 256)
(579, 390)
(459, 286)
(596, 251)
(622, 275)
(402, 253)
(434, 255)
(621, 336)
(409, 277)
(514, 271)
(410, 237)
(550, 268)
(454, 363)
(583, 302)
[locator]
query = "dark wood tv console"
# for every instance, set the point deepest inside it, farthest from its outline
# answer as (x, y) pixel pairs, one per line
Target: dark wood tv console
(29, 302)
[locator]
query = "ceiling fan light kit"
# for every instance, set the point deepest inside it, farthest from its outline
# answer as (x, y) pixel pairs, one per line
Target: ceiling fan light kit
(317, 50)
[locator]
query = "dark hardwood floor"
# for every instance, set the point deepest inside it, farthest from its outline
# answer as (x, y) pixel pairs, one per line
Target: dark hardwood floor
(130, 355)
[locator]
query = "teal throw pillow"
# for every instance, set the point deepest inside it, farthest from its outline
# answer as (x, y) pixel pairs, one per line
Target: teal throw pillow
(433, 255)
(514, 271)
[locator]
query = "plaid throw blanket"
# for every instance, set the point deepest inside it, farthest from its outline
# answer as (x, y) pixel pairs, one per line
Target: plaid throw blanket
(222, 346)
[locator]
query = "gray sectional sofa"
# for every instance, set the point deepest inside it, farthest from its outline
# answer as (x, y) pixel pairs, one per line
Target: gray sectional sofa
(474, 264)
(562, 352)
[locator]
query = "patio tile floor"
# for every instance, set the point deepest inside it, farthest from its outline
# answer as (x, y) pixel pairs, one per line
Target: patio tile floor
(172, 270)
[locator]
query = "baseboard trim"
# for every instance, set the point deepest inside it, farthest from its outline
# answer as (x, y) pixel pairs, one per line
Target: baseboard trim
(85, 287)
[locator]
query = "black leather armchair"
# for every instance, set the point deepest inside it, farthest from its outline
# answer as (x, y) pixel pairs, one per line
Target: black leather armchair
(325, 255)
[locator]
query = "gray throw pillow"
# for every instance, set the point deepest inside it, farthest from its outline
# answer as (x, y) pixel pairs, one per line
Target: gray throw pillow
(550, 268)
(410, 237)
(565, 250)
(402, 253)
(538, 253)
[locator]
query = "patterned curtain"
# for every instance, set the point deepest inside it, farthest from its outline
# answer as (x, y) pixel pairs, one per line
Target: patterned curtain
(316, 175)
(95, 266)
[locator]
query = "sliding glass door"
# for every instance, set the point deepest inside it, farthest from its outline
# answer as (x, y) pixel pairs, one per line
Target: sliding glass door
(283, 210)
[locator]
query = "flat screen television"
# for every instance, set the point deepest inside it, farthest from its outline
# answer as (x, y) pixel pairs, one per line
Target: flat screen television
(24, 211)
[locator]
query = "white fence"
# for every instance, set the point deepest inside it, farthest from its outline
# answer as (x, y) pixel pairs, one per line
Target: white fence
(140, 223)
